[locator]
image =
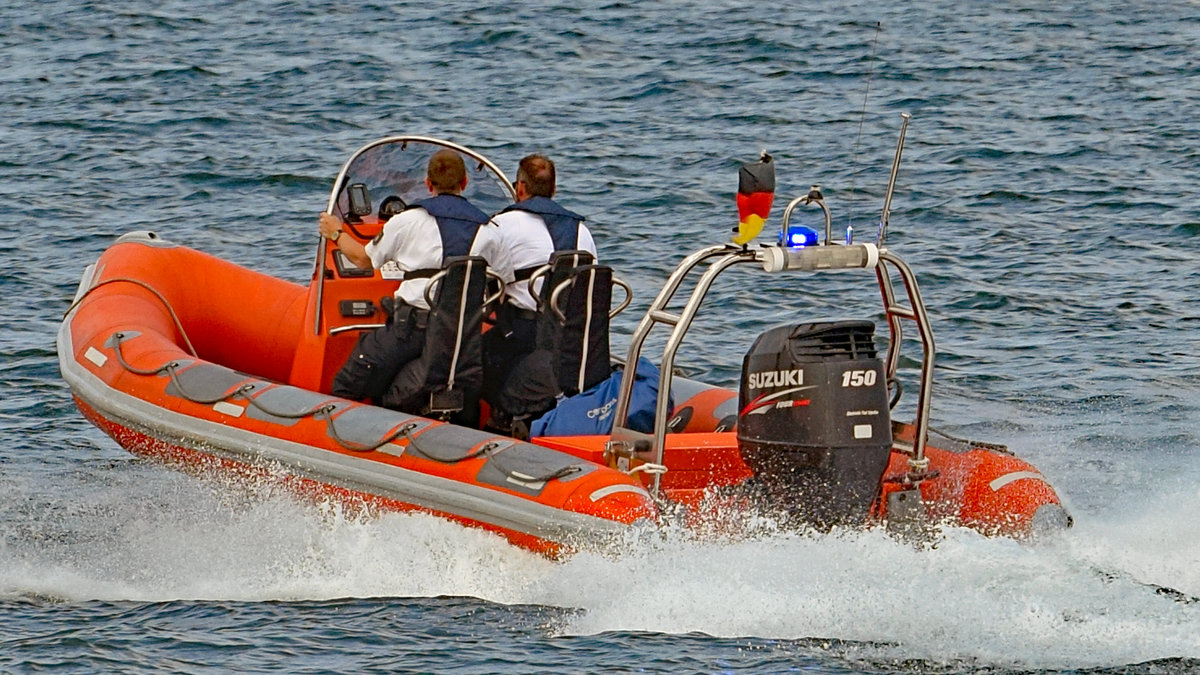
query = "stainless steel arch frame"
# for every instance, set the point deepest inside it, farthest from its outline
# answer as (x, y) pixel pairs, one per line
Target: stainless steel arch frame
(773, 259)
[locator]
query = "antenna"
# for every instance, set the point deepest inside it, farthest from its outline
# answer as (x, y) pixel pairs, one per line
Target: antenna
(862, 116)
(887, 198)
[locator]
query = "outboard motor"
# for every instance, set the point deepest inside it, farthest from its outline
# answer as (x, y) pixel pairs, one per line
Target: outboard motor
(813, 420)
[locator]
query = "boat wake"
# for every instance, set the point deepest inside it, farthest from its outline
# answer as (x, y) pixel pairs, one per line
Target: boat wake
(1082, 600)
(1089, 597)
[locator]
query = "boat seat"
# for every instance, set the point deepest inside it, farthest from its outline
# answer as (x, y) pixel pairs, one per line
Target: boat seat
(444, 382)
(571, 351)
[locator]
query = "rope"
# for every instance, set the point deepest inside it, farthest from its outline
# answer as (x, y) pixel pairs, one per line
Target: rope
(171, 368)
(560, 473)
(358, 447)
(171, 310)
(324, 411)
(486, 449)
(999, 447)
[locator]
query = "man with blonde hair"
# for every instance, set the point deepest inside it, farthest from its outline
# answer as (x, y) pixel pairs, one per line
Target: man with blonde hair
(414, 244)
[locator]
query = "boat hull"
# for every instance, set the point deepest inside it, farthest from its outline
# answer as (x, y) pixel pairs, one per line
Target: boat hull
(130, 368)
(191, 360)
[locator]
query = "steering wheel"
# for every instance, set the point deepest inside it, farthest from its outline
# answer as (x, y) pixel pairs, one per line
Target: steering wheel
(390, 206)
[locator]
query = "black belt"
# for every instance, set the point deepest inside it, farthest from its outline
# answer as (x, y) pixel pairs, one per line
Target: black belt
(399, 311)
(422, 273)
(511, 312)
(525, 273)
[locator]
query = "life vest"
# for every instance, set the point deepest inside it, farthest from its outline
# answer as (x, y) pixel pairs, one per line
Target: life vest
(458, 222)
(563, 225)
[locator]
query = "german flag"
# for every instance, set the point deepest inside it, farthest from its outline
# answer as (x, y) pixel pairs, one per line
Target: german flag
(756, 190)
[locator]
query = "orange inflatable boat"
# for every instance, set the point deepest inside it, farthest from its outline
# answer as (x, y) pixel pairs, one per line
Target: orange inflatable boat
(190, 359)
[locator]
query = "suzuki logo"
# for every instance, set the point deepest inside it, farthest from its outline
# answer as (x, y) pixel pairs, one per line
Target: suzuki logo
(776, 378)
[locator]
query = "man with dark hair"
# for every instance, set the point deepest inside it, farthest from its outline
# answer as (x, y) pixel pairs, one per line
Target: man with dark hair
(531, 230)
(537, 173)
(537, 226)
(414, 245)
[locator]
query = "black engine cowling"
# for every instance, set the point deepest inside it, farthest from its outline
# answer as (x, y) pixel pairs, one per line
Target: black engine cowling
(813, 420)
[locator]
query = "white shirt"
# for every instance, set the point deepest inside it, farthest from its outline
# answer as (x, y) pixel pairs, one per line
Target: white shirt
(410, 240)
(529, 244)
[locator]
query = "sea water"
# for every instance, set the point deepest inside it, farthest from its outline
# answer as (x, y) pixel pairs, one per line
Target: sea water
(1047, 201)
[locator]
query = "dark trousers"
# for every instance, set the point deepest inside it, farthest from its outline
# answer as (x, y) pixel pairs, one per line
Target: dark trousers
(504, 346)
(379, 355)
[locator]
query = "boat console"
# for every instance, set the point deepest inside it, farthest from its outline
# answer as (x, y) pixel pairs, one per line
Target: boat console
(376, 182)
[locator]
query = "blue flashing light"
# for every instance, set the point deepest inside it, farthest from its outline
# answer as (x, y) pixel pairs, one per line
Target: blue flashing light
(799, 236)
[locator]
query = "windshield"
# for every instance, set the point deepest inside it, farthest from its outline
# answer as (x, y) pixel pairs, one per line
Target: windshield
(395, 168)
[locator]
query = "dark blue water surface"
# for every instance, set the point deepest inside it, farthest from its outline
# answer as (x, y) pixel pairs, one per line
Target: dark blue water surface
(1047, 200)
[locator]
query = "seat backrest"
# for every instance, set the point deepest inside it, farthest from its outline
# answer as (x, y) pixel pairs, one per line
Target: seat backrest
(571, 350)
(560, 265)
(445, 380)
(584, 298)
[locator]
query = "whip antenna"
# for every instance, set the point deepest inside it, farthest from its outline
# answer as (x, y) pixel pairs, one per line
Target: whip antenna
(887, 198)
(861, 118)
